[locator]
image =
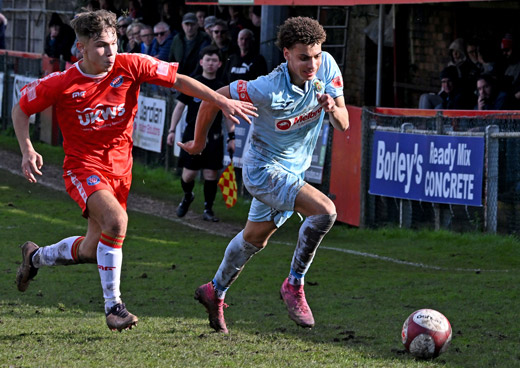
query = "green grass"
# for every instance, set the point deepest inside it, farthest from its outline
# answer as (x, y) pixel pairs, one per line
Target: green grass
(359, 302)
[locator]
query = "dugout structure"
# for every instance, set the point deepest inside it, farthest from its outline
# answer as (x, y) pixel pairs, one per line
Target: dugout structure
(500, 210)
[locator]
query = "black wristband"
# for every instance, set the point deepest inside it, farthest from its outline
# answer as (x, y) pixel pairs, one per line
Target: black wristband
(231, 136)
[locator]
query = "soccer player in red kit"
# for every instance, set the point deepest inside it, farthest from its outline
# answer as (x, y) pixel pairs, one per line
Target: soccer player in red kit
(95, 102)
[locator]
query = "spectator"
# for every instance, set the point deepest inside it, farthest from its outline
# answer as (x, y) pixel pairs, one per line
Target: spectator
(511, 63)
(222, 41)
(467, 71)
(59, 41)
(134, 37)
(450, 97)
(246, 64)
(163, 41)
(237, 21)
(255, 15)
(146, 35)
(209, 22)
(490, 97)
(108, 5)
(187, 44)
(210, 160)
(135, 11)
(472, 52)
(201, 15)
(122, 38)
(487, 58)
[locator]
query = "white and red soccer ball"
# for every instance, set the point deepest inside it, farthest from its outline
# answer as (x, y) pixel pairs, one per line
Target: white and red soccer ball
(426, 333)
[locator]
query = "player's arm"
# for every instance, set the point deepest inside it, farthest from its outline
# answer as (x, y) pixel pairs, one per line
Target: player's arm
(230, 136)
(176, 116)
(32, 161)
(335, 107)
(230, 108)
(205, 117)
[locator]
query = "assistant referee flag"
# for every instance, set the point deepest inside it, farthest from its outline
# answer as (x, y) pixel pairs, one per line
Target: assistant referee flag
(228, 185)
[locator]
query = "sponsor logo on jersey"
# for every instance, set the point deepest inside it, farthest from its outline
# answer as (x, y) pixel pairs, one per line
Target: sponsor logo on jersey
(99, 114)
(298, 121)
(93, 180)
(117, 81)
(79, 94)
(337, 82)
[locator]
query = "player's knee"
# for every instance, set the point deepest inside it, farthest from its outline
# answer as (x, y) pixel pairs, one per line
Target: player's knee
(323, 223)
(117, 224)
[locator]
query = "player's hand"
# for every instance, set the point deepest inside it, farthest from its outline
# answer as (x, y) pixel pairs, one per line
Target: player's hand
(231, 147)
(32, 162)
(326, 102)
(191, 147)
(232, 109)
(170, 139)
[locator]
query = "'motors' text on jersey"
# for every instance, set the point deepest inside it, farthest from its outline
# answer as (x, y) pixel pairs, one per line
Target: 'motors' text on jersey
(96, 113)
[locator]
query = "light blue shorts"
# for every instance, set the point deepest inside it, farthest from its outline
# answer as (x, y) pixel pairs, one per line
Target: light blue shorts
(274, 190)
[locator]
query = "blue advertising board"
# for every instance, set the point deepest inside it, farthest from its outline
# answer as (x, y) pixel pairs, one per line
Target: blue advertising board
(431, 168)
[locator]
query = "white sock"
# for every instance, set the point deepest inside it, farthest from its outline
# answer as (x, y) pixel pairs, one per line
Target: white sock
(110, 259)
(63, 252)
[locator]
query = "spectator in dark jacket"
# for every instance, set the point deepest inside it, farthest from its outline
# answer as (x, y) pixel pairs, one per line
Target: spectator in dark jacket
(60, 39)
(187, 45)
(162, 42)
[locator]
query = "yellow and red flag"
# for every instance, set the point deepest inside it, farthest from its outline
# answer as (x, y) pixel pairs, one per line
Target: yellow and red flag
(228, 185)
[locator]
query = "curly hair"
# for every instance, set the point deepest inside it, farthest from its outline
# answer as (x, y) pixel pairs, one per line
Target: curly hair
(90, 24)
(300, 30)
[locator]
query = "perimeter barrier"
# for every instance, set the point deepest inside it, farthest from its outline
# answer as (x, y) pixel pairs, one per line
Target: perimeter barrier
(500, 195)
(342, 161)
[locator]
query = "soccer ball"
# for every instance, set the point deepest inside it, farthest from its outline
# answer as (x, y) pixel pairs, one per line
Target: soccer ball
(426, 333)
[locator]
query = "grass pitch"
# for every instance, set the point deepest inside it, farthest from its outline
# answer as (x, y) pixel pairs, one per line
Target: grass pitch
(361, 287)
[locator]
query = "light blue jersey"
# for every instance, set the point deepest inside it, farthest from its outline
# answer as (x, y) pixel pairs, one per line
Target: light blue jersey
(290, 118)
(283, 135)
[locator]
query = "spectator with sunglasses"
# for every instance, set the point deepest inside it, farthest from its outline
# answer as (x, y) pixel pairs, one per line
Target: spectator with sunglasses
(162, 42)
(222, 40)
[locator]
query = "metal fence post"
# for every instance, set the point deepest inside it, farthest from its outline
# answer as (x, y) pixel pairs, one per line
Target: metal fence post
(491, 179)
(367, 206)
(405, 205)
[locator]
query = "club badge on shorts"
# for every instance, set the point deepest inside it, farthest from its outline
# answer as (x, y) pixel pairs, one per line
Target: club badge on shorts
(93, 180)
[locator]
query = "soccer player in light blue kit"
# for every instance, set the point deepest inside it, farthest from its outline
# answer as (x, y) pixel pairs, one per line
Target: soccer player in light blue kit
(292, 101)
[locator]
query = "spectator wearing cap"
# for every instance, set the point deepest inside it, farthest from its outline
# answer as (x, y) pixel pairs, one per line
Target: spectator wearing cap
(162, 42)
(187, 44)
(209, 22)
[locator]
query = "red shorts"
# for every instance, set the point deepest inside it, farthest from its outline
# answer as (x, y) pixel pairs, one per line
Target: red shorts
(81, 183)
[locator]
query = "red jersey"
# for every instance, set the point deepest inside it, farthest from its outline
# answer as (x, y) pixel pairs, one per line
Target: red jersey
(96, 113)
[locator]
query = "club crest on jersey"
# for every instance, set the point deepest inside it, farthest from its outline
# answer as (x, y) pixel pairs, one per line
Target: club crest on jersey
(99, 114)
(93, 180)
(117, 81)
(318, 85)
(298, 121)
